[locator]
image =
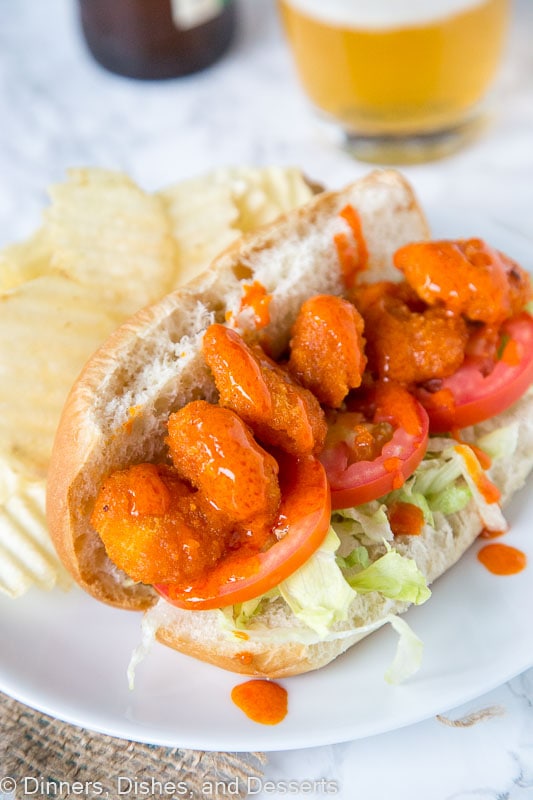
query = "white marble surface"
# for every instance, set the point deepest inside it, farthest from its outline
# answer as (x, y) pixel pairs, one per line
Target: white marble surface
(58, 109)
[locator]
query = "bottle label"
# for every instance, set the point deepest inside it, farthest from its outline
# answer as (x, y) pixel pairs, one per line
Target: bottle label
(191, 13)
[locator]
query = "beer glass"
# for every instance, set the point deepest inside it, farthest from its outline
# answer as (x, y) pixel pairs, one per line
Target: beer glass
(405, 80)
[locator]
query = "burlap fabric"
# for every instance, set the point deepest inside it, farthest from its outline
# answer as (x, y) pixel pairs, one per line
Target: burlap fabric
(48, 758)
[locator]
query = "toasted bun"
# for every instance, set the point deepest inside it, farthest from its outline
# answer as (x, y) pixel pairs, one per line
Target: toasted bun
(117, 411)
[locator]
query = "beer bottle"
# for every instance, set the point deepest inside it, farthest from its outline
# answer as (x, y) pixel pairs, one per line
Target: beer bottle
(152, 39)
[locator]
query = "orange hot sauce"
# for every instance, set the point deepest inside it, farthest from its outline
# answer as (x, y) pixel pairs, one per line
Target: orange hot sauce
(406, 519)
(489, 491)
(256, 297)
(483, 457)
(353, 219)
(501, 559)
(486, 534)
(352, 259)
(262, 701)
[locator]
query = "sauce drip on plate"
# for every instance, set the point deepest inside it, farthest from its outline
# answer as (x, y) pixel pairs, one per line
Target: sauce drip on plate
(262, 701)
(501, 559)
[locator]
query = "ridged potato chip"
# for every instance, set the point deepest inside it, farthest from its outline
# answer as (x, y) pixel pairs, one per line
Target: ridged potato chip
(27, 556)
(48, 328)
(262, 195)
(105, 230)
(211, 212)
(25, 260)
(203, 216)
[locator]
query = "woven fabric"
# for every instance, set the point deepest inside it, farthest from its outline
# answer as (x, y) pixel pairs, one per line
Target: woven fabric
(49, 758)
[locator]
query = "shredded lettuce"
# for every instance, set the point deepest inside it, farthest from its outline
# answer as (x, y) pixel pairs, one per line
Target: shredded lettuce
(500, 443)
(394, 576)
(317, 593)
(408, 655)
(358, 557)
(450, 500)
(369, 519)
(149, 625)
(243, 612)
(406, 661)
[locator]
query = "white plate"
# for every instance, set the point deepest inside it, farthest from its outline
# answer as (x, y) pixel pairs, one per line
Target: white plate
(66, 654)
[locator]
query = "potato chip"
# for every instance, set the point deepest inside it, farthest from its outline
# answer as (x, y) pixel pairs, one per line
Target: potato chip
(261, 195)
(211, 212)
(27, 556)
(25, 260)
(48, 328)
(105, 230)
(204, 220)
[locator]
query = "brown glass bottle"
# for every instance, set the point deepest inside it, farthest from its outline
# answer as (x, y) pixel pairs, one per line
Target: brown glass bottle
(141, 39)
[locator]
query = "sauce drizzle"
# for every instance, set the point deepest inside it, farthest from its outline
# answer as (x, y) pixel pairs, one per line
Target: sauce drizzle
(483, 457)
(353, 219)
(352, 259)
(488, 490)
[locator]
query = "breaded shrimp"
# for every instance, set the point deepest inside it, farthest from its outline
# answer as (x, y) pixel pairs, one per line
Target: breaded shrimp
(278, 410)
(152, 527)
(466, 277)
(327, 348)
(213, 449)
(409, 346)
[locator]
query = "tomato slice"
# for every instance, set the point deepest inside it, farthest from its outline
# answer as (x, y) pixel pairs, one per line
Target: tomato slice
(469, 396)
(303, 521)
(364, 480)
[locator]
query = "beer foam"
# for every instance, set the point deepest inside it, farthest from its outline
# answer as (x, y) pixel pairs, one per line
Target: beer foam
(382, 14)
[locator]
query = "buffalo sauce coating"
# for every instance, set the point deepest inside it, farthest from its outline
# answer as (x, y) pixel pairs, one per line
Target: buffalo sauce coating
(213, 449)
(155, 527)
(407, 342)
(502, 559)
(467, 277)
(327, 348)
(278, 410)
(262, 701)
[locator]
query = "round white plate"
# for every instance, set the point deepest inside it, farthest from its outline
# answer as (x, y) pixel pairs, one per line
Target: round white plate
(66, 655)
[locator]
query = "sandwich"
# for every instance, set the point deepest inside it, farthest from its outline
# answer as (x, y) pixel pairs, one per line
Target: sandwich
(280, 457)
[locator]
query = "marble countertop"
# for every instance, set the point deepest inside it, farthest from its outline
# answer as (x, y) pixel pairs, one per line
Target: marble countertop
(59, 109)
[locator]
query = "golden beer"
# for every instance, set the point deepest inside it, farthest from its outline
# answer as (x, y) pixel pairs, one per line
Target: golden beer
(402, 67)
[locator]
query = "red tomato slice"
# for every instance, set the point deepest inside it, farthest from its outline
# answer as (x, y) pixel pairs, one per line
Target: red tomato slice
(361, 481)
(469, 396)
(304, 518)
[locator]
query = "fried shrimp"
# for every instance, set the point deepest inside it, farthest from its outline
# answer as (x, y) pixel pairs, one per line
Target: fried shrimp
(466, 277)
(327, 348)
(409, 346)
(153, 528)
(214, 450)
(279, 411)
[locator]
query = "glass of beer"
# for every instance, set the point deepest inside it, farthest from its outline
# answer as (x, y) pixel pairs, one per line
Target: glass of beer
(404, 80)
